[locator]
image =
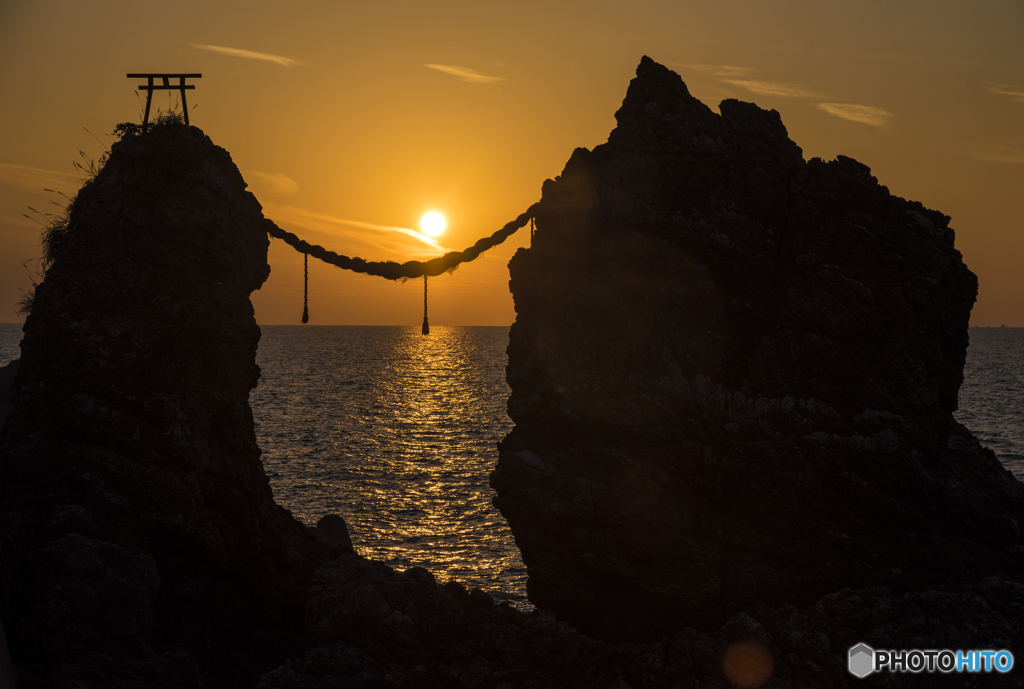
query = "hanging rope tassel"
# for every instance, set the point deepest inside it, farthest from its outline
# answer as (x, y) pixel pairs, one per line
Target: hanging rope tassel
(305, 289)
(426, 325)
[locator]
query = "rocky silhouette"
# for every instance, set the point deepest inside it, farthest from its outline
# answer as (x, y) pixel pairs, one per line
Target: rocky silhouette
(369, 627)
(733, 375)
(141, 540)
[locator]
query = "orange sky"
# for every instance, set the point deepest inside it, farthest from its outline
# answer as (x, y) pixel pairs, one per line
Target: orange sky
(347, 116)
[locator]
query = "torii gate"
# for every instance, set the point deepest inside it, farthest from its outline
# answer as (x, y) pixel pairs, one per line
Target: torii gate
(150, 87)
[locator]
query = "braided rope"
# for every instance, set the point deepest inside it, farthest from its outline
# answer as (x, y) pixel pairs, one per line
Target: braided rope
(305, 288)
(426, 325)
(410, 269)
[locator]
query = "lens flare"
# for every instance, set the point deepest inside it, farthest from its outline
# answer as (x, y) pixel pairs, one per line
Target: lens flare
(432, 223)
(747, 664)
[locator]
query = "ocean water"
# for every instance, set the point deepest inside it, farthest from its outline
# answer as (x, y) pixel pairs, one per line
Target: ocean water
(396, 432)
(992, 396)
(10, 338)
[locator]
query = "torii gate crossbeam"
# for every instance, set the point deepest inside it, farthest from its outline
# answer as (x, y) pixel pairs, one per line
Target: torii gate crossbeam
(149, 87)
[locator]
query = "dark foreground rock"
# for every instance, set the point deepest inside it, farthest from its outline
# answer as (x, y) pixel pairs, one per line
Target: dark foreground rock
(733, 375)
(371, 627)
(141, 541)
(7, 374)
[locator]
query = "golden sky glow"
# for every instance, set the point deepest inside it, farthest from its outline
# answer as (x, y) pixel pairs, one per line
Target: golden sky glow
(349, 120)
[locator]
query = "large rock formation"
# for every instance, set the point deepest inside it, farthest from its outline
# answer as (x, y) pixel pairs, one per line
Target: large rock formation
(141, 541)
(732, 378)
(733, 375)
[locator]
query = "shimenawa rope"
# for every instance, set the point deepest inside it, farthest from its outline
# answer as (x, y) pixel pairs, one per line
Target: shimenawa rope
(426, 326)
(305, 289)
(396, 271)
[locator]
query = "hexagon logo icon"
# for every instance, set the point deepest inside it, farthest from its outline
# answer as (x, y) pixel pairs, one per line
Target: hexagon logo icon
(862, 660)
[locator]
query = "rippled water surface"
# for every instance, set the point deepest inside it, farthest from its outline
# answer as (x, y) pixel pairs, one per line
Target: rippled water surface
(992, 396)
(396, 432)
(10, 336)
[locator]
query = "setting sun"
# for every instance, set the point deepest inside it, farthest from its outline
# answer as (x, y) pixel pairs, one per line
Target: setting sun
(433, 224)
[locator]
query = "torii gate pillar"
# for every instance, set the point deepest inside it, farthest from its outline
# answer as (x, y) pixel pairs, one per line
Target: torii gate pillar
(150, 87)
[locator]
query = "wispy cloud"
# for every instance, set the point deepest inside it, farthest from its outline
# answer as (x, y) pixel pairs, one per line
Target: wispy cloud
(865, 114)
(36, 179)
(773, 88)
(740, 76)
(717, 70)
(1002, 154)
(466, 74)
(249, 54)
(354, 228)
(1016, 93)
(278, 183)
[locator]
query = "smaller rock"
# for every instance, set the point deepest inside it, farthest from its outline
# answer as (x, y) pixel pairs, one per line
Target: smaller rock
(481, 599)
(456, 591)
(332, 529)
(421, 575)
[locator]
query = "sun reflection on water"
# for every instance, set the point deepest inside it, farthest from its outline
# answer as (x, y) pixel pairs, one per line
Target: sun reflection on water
(396, 432)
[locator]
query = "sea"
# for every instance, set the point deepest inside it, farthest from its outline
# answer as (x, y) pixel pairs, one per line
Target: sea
(397, 433)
